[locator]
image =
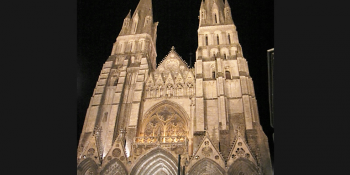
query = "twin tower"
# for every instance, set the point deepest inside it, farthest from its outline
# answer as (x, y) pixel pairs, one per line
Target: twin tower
(150, 120)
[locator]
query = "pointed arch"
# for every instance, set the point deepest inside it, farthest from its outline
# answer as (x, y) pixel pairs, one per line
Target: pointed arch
(243, 166)
(156, 162)
(174, 105)
(207, 166)
(87, 166)
(113, 167)
(165, 118)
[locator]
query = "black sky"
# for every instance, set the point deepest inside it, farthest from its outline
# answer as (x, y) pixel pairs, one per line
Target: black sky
(99, 23)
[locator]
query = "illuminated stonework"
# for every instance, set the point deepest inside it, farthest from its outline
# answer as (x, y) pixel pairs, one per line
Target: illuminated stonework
(142, 116)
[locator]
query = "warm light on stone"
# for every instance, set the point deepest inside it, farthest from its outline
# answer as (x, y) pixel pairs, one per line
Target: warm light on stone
(142, 116)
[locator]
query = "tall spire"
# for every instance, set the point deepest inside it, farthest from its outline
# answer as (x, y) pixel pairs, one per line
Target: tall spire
(143, 17)
(144, 8)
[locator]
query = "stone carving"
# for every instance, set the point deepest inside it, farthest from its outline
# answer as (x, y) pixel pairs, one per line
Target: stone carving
(138, 151)
(115, 169)
(216, 157)
(91, 152)
(172, 64)
(109, 158)
(165, 122)
(206, 151)
(240, 152)
(116, 152)
(122, 158)
(179, 150)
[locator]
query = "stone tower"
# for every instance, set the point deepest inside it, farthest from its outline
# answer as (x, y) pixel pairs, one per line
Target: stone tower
(142, 116)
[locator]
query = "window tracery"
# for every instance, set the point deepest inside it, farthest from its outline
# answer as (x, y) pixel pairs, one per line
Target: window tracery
(165, 122)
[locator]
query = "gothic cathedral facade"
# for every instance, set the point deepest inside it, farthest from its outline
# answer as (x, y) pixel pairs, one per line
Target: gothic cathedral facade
(141, 117)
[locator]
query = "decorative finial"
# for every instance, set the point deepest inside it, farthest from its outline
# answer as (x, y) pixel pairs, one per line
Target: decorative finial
(172, 48)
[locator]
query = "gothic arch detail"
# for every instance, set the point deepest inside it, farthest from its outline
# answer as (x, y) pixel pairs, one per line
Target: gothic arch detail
(206, 166)
(114, 167)
(156, 162)
(243, 166)
(87, 167)
(165, 119)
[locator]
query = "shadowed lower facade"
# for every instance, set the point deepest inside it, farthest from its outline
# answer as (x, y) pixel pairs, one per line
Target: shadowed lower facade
(142, 115)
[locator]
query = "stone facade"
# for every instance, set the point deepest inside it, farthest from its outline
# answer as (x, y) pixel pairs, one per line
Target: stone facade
(142, 116)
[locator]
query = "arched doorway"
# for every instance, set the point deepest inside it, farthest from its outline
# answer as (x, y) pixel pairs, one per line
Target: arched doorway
(206, 166)
(114, 167)
(243, 166)
(156, 162)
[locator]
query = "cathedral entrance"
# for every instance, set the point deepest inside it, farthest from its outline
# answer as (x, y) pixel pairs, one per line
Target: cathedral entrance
(243, 166)
(156, 162)
(206, 167)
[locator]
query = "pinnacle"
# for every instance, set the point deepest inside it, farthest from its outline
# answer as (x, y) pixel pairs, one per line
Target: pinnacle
(129, 14)
(226, 4)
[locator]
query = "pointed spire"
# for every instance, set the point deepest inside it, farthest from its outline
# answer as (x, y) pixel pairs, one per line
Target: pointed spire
(226, 4)
(129, 14)
(144, 8)
(202, 5)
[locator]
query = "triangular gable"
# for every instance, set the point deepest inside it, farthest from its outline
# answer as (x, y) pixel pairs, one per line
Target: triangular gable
(189, 77)
(172, 61)
(179, 79)
(159, 80)
(169, 79)
(90, 151)
(116, 151)
(207, 150)
(240, 149)
(150, 80)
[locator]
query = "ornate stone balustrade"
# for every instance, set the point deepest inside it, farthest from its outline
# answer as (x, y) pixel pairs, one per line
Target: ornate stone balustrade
(161, 140)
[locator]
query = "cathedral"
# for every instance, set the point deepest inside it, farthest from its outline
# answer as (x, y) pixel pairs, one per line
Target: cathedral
(169, 119)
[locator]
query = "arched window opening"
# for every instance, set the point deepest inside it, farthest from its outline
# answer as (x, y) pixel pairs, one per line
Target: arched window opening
(227, 74)
(131, 46)
(213, 74)
(217, 39)
(225, 56)
(206, 40)
(229, 38)
(216, 20)
(105, 117)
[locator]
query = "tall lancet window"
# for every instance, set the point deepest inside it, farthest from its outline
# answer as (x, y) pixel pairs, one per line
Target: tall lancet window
(217, 39)
(229, 38)
(206, 40)
(216, 19)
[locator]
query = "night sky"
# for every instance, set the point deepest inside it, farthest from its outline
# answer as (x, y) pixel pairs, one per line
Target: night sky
(99, 23)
